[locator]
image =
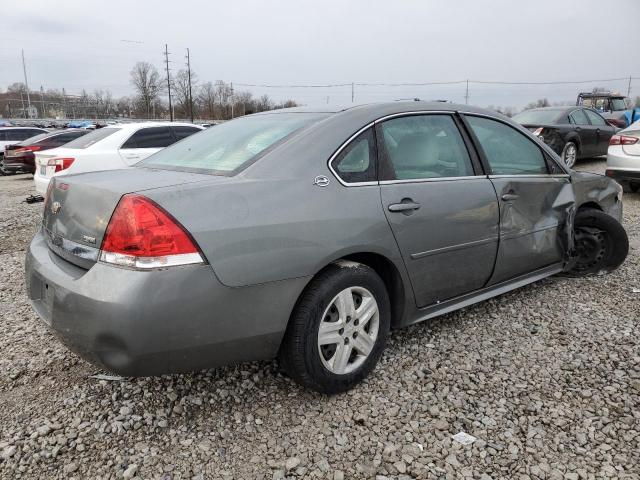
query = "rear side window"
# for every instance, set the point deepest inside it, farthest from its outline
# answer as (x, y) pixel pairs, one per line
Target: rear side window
(578, 117)
(508, 151)
(152, 137)
(184, 132)
(425, 146)
(356, 162)
(230, 147)
(595, 118)
(21, 134)
(91, 138)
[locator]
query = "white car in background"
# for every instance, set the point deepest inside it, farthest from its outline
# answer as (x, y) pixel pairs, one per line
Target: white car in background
(623, 157)
(108, 148)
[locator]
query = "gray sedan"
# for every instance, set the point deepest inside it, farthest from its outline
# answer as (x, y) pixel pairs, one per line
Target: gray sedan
(309, 234)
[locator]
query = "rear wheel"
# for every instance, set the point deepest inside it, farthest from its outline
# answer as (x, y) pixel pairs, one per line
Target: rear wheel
(601, 243)
(3, 171)
(570, 154)
(338, 329)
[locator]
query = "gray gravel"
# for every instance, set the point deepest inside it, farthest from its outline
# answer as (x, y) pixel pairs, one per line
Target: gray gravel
(547, 380)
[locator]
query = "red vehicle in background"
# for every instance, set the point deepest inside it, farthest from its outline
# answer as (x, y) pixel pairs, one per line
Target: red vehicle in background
(20, 157)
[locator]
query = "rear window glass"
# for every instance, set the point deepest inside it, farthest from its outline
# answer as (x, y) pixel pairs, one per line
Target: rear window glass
(91, 138)
(229, 147)
(537, 117)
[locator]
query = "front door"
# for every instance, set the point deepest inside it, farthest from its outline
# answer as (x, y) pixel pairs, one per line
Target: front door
(586, 132)
(442, 210)
(535, 204)
(604, 132)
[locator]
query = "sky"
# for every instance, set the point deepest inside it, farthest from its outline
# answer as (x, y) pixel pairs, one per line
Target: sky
(92, 45)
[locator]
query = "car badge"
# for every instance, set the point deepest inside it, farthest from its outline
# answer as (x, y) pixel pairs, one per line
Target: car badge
(55, 207)
(321, 181)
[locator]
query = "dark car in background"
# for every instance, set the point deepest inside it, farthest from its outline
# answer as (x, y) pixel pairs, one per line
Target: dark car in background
(572, 132)
(12, 135)
(20, 157)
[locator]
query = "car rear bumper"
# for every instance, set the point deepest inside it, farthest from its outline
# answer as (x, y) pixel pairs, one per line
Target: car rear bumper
(19, 166)
(623, 175)
(155, 322)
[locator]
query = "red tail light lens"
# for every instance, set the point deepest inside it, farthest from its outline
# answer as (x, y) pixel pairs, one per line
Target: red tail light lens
(142, 235)
(60, 163)
(33, 148)
(623, 140)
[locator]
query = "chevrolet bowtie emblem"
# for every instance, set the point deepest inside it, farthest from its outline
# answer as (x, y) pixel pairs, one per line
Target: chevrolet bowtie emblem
(55, 207)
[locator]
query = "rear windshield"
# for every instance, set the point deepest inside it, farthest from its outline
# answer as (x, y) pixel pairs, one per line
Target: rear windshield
(32, 140)
(227, 148)
(537, 117)
(91, 138)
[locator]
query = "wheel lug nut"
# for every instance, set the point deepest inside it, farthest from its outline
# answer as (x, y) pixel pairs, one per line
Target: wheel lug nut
(348, 319)
(356, 322)
(346, 340)
(341, 331)
(355, 334)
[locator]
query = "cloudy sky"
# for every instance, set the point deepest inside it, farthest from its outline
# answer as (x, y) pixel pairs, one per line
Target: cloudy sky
(90, 44)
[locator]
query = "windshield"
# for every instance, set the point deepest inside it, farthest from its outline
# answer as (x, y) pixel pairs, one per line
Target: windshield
(537, 117)
(89, 139)
(225, 149)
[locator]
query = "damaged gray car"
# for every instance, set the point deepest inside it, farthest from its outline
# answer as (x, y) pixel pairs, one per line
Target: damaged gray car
(308, 234)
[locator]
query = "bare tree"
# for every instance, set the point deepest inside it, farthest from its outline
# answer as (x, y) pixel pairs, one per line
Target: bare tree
(206, 99)
(148, 84)
(180, 85)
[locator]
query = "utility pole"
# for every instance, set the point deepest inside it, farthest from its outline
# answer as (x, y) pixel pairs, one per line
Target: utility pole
(466, 94)
(42, 101)
(352, 93)
(629, 88)
(232, 100)
(190, 96)
(166, 59)
(64, 102)
(26, 83)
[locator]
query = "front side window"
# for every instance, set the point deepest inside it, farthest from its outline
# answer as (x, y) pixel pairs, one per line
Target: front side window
(183, 132)
(152, 137)
(21, 134)
(578, 117)
(595, 118)
(508, 151)
(356, 162)
(227, 148)
(424, 146)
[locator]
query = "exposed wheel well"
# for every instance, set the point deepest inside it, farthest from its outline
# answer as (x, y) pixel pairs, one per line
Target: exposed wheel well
(593, 205)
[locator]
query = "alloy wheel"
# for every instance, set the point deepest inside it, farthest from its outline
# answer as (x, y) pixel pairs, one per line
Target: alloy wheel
(348, 330)
(570, 155)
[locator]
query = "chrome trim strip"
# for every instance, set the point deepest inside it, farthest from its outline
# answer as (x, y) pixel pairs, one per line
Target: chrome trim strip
(461, 246)
(532, 175)
(435, 179)
(415, 112)
(337, 152)
(70, 250)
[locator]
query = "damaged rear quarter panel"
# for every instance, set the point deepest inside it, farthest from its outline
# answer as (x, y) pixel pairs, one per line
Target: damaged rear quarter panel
(593, 190)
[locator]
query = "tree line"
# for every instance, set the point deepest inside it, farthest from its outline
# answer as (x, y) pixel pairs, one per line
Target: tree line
(209, 100)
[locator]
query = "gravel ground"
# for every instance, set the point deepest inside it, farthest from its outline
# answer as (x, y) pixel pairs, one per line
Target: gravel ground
(547, 378)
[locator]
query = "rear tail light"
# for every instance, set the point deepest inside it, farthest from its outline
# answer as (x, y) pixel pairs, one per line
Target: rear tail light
(614, 122)
(142, 235)
(60, 163)
(623, 140)
(33, 148)
(538, 131)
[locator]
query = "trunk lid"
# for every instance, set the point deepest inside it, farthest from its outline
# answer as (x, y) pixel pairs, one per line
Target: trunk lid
(79, 207)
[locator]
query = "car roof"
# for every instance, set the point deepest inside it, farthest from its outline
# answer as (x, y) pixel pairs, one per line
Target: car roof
(137, 125)
(23, 128)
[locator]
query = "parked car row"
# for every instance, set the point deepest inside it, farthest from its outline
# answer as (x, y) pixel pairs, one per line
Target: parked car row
(306, 233)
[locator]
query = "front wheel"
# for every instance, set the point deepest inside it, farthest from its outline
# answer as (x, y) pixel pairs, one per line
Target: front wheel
(570, 154)
(601, 243)
(338, 329)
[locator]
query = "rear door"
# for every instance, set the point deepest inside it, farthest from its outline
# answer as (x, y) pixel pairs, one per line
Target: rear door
(603, 130)
(145, 142)
(536, 198)
(586, 132)
(443, 211)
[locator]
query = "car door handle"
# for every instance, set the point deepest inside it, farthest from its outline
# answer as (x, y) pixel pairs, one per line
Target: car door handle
(131, 155)
(404, 206)
(507, 197)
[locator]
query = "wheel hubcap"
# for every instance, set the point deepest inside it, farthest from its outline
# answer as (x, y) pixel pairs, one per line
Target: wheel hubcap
(570, 155)
(348, 330)
(591, 247)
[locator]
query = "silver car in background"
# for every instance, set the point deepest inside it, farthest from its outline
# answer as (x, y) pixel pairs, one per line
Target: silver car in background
(623, 157)
(309, 234)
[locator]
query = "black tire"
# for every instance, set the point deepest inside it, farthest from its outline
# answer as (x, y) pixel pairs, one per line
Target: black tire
(569, 161)
(3, 171)
(300, 354)
(601, 243)
(633, 187)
